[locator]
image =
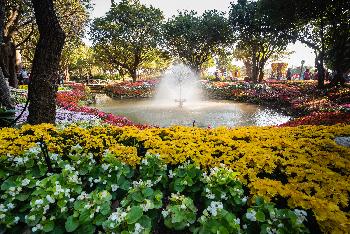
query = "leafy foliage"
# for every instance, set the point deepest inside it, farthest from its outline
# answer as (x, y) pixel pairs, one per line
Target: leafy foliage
(194, 39)
(127, 35)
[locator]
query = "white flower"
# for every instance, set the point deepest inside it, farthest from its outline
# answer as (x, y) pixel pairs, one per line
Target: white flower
(39, 202)
(237, 221)
(54, 157)
(138, 228)
(244, 199)
(10, 206)
(69, 168)
(214, 207)
(165, 213)
(144, 161)
(105, 166)
(183, 206)
(2, 216)
(16, 219)
(50, 199)
(171, 174)
(301, 214)
(244, 226)
(251, 215)
(223, 196)
(46, 208)
(114, 187)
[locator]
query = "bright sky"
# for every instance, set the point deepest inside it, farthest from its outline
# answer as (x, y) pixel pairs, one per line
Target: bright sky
(171, 7)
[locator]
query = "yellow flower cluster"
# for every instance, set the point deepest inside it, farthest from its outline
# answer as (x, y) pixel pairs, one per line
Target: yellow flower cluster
(303, 165)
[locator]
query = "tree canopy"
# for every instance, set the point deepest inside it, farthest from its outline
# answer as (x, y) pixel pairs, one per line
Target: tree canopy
(194, 39)
(127, 35)
(257, 34)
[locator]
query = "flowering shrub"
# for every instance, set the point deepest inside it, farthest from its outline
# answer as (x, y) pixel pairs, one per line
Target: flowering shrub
(295, 166)
(139, 89)
(298, 98)
(76, 193)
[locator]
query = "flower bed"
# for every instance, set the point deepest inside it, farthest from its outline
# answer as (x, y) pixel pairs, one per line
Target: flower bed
(295, 168)
(297, 98)
(76, 100)
(139, 89)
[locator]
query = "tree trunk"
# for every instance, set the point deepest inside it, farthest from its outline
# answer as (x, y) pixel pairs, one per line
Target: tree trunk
(248, 67)
(5, 99)
(320, 64)
(255, 69)
(44, 76)
(133, 74)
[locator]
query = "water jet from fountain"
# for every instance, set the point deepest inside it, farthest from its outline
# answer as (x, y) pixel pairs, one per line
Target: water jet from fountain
(179, 85)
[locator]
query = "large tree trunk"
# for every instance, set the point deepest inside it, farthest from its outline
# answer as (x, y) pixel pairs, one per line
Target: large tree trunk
(133, 74)
(5, 99)
(44, 76)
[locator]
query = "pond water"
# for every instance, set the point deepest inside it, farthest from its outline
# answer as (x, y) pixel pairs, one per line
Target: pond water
(213, 113)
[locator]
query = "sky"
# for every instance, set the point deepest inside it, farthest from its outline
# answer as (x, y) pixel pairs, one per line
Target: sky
(171, 7)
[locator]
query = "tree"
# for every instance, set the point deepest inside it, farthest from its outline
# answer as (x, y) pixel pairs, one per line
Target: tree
(323, 25)
(257, 35)
(127, 34)
(194, 39)
(5, 99)
(44, 77)
(22, 31)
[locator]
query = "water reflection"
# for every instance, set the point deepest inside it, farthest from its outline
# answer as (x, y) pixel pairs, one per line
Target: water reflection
(205, 113)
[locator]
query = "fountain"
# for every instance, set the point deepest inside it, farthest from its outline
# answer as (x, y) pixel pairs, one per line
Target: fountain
(178, 101)
(178, 85)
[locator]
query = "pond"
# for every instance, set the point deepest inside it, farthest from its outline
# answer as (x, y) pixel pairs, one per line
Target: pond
(210, 113)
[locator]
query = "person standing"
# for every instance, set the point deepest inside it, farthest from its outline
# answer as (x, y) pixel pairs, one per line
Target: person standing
(307, 74)
(289, 74)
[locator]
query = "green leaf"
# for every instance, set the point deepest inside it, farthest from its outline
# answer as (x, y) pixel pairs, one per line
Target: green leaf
(137, 196)
(260, 216)
(7, 184)
(22, 196)
(178, 186)
(49, 226)
(2, 174)
(105, 208)
(134, 214)
(147, 192)
(71, 224)
(145, 221)
(86, 229)
(85, 216)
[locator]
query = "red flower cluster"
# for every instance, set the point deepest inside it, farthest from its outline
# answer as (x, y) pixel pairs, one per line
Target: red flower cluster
(139, 89)
(320, 118)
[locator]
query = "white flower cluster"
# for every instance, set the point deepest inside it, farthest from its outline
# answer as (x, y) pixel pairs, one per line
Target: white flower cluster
(142, 184)
(105, 166)
(171, 174)
(13, 191)
(214, 208)
(18, 161)
(114, 187)
(209, 194)
(270, 230)
(301, 214)
(116, 218)
(138, 229)
(25, 182)
(37, 227)
(147, 205)
(251, 215)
